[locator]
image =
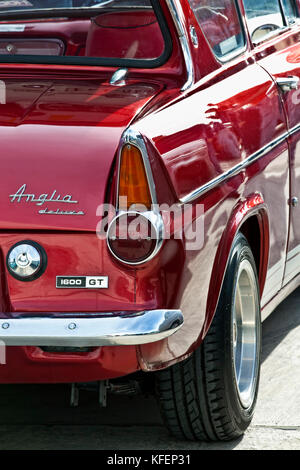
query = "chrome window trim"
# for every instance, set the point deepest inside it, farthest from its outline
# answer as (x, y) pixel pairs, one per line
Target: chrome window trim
(184, 45)
(108, 329)
(234, 170)
(232, 55)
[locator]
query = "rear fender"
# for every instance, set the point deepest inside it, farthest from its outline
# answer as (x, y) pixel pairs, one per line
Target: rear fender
(253, 206)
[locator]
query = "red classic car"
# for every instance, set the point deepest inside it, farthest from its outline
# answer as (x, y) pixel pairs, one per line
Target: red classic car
(149, 187)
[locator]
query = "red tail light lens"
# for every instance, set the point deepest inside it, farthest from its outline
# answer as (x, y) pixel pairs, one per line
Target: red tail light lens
(135, 238)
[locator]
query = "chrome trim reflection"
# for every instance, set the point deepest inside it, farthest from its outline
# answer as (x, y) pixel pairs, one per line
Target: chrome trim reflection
(287, 84)
(233, 171)
(194, 36)
(141, 328)
(118, 78)
(294, 130)
(184, 45)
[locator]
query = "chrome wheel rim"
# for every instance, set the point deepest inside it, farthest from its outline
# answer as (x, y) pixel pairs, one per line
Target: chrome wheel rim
(246, 334)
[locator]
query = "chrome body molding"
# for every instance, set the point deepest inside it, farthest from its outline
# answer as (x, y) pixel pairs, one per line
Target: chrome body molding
(294, 130)
(141, 328)
(184, 45)
(234, 170)
(292, 264)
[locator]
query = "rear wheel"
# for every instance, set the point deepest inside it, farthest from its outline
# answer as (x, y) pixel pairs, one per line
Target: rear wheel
(212, 395)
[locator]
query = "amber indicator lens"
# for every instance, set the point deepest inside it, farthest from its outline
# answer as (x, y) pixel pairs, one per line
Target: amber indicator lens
(133, 183)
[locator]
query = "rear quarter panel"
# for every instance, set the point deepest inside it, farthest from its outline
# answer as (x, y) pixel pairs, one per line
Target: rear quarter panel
(223, 121)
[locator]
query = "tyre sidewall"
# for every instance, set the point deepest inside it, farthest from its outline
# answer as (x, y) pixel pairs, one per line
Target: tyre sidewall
(240, 415)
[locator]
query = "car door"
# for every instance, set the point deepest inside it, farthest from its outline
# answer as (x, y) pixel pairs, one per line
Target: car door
(232, 119)
(274, 28)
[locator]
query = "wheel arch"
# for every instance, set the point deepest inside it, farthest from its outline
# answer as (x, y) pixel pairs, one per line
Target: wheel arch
(250, 217)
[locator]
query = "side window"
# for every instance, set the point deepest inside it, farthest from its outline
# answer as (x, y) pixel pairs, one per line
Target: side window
(220, 24)
(290, 11)
(263, 18)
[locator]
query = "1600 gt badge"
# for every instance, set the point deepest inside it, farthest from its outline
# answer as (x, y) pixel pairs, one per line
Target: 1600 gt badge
(82, 282)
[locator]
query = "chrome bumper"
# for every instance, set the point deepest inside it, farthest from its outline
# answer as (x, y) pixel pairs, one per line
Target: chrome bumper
(142, 328)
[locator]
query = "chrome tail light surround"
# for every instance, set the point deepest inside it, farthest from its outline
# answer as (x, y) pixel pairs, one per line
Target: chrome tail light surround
(154, 220)
(133, 137)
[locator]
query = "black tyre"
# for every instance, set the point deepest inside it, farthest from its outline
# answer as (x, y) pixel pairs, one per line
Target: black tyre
(212, 395)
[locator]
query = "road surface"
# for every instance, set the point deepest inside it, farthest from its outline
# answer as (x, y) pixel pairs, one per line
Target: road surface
(38, 417)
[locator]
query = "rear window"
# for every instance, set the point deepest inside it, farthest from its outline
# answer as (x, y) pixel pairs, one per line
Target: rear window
(220, 23)
(109, 32)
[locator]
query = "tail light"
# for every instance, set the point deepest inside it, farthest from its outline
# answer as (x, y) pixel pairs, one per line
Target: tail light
(133, 182)
(135, 235)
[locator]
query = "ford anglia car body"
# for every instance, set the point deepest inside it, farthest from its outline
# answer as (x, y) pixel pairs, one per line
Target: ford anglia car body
(149, 187)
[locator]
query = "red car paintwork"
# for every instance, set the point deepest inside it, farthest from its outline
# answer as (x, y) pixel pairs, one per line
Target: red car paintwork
(61, 128)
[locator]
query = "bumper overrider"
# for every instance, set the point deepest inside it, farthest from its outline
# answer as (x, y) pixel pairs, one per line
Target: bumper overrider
(108, 330)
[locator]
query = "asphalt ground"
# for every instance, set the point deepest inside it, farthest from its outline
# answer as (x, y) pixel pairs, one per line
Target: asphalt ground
(37, 417)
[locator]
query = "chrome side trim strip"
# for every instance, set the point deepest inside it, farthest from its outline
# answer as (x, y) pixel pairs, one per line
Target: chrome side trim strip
(142, 328)
(294, 252)
(294, 129)
(184, 45)
(233, 171)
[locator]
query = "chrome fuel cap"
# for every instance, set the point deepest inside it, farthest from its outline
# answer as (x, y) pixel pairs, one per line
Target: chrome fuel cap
(26, 261)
